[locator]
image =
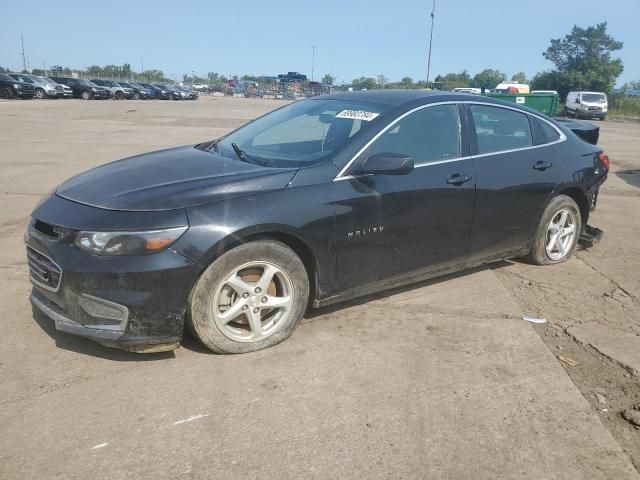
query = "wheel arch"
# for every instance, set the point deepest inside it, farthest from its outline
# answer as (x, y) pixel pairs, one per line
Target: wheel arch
(290, 239)
(579, 196)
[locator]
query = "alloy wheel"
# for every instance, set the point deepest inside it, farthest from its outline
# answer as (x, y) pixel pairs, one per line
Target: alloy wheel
(253, 302)
(561, 233)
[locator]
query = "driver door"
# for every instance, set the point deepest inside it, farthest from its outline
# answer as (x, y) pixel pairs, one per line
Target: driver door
(394, 225)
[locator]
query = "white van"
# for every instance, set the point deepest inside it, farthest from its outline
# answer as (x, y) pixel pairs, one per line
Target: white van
(587, 105)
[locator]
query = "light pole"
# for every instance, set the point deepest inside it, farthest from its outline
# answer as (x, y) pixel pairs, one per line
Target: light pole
(24, 62)
(433, 15)
(313, 61)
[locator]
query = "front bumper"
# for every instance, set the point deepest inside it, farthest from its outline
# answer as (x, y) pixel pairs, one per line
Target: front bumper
(136, 303)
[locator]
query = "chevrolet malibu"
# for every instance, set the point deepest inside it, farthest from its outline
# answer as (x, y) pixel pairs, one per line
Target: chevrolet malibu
(319, 201)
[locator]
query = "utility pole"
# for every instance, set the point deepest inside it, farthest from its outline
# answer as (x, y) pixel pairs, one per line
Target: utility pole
(141, 64)
(313, 61)
(24, 61)
(433, 15)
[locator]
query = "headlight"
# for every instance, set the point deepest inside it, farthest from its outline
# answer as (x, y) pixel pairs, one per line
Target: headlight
(16, 85)
(127, 243)
(93, 89)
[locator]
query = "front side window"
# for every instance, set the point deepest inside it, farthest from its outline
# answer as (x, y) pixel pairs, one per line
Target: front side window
(500, 129)
(428, 135)
(301, 133)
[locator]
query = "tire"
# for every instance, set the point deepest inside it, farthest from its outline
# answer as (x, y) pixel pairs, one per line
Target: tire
(6, 92)
(247, 265)
(119, 95)
(86, 95)
(136, 96)
(40, 93)
(543, 252)
(603, 118)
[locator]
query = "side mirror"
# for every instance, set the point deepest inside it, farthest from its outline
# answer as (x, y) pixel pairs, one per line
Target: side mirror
(385, 164)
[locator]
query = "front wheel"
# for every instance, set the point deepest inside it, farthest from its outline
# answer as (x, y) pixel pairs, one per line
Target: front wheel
(252, 297)
(119, 95)
(136, 96)
(40, 93)
(557, 235)
(6, 92)
(86, 95)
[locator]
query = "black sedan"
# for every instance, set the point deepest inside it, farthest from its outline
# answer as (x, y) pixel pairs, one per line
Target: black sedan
(319, 201)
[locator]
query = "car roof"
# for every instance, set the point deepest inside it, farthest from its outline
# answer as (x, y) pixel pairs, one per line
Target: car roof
(396, 98)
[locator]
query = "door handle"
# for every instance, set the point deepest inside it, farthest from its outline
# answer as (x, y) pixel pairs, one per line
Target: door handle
(457, 179)
(542, 165)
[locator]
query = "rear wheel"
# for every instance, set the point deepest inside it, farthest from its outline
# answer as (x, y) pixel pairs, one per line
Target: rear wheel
(86, 95)
(252, 297)
(557, 234)
(40, 93)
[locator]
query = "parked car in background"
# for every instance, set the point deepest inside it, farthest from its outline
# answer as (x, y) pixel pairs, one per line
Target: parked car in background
(175, 93)
(117, 91)
(200, 87)
(189, 93)
(43, 89)
(10, 87)
(587, 105)
(237, 236)
(139, 92)
(161, 91)
(84, 89)
(477, 91)
(68, 92)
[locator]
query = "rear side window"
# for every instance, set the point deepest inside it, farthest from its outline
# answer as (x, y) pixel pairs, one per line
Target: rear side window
(550, 133)
(500, 129)
(428, 135)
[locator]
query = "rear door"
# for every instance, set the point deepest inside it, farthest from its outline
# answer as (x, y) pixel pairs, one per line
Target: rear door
(516, 172)
(390, 225)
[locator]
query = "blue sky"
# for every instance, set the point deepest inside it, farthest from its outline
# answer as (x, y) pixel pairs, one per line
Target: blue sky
(357, 37)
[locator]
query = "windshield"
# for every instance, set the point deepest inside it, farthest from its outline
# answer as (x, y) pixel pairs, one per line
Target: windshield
(301, 133)
(86, 83)
(593, 97)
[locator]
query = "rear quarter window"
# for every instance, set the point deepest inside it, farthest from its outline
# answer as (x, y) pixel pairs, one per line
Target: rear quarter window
(500, 129)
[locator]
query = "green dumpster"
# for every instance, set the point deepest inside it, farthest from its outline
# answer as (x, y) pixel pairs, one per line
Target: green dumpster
(544, 103)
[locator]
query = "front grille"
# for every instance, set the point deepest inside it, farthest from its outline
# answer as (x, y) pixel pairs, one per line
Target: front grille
(594, 109)
(43, 271)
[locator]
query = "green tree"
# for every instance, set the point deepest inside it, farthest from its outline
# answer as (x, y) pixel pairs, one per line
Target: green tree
(406, 82)
(381, 81)
(364, 83)
(519, 77)
(488, 78)
(454, 80)
(583, 58)
(328, 79)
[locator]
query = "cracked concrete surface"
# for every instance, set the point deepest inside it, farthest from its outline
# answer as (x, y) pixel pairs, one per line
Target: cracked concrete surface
(440, 380)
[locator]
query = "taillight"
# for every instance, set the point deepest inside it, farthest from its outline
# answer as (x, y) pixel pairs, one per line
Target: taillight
(604, 159)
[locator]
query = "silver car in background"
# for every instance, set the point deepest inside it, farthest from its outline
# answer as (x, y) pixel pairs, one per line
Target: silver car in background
(117, 91)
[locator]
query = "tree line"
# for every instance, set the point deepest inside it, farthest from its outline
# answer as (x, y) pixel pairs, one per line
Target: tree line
(582, 60)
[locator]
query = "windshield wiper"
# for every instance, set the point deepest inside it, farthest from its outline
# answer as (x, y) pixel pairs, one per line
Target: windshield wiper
(244, 157)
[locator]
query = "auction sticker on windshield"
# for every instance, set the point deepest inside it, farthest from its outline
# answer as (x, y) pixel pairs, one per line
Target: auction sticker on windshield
(357, 115)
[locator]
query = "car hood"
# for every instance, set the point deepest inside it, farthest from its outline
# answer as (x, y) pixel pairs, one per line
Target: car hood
(169, 179)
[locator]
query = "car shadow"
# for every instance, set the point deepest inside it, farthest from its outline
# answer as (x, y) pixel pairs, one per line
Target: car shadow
(85, 346)
(632, 177)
